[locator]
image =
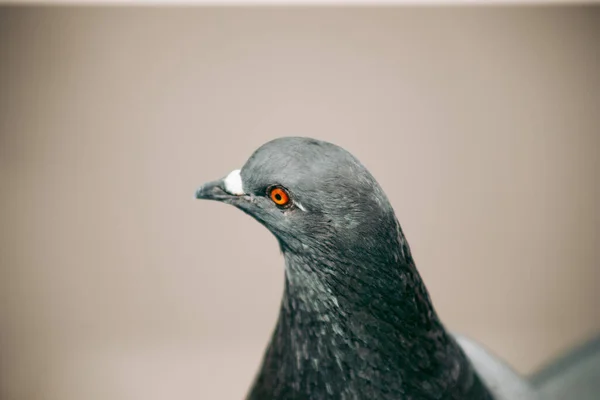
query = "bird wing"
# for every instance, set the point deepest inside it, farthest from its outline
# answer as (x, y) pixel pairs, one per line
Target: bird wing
(576, 375)
(502, 380)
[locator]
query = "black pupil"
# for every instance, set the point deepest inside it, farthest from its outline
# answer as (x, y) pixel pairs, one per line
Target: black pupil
(277, 196)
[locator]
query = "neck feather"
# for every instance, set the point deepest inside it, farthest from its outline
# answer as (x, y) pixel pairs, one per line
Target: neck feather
(368, 333)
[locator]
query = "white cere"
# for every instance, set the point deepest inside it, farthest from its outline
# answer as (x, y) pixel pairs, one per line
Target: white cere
(233, 183)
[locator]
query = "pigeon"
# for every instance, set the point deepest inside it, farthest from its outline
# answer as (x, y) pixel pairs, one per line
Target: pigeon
(356, 320)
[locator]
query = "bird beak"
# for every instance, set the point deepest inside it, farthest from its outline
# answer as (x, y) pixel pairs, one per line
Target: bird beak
(222, 189)
(214, 190)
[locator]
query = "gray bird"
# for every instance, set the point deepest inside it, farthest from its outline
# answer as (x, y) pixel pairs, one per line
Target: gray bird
(356, 321)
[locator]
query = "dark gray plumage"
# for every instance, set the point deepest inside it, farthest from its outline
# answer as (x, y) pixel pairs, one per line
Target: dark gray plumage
(356, 321)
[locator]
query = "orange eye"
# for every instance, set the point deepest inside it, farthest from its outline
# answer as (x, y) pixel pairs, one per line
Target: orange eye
(279, 196)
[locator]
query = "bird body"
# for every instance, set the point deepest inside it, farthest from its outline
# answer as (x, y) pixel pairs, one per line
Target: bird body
(356, 320)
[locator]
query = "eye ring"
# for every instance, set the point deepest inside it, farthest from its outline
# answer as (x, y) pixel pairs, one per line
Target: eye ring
(280, 196)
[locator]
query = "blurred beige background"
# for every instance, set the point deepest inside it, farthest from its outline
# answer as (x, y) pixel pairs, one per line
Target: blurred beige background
(481, 124)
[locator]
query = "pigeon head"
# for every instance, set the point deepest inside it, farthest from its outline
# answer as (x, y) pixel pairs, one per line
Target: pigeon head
(314, 196)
